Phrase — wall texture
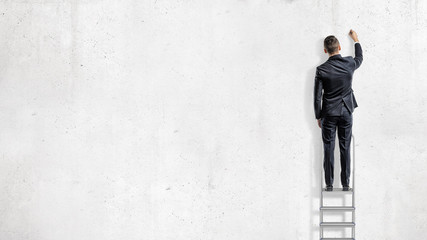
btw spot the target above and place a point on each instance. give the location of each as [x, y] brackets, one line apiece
[194, 119]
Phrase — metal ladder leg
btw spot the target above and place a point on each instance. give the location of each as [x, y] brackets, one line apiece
[351, 208]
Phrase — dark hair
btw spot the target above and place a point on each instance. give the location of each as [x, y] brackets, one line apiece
[331, 44]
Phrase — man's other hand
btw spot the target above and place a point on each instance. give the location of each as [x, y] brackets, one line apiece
[353, 35]
[319, 123]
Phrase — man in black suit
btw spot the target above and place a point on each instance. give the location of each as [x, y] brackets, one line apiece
[334, 109]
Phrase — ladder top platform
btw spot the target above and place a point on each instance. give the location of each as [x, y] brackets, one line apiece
[350, 190]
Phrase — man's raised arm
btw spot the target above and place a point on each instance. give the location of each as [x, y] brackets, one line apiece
[357, 49]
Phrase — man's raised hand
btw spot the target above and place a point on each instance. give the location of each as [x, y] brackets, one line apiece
[353, 35]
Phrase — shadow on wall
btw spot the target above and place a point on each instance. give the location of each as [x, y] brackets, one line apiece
[316, 148]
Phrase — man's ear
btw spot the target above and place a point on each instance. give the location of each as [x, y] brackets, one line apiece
[325, 50]
[339, 47]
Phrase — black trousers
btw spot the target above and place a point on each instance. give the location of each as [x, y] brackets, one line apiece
[344, 125]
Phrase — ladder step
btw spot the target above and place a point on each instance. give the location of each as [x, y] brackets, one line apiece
[350, 190]
[337, 224]
[338, 238]
[337, 208]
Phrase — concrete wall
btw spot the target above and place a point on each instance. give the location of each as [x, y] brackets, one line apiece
[194, 119]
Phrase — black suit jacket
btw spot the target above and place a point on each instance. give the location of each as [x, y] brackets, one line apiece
[335, 77]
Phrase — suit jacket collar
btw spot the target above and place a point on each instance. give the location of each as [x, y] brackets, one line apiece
[335, 56]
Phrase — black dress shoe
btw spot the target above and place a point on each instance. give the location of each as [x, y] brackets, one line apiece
[329, 188]
[346, 188]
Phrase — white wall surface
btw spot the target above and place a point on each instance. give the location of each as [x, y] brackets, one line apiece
[194, 119]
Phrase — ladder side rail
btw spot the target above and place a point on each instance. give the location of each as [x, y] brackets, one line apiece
[354, 191]
[321, 197]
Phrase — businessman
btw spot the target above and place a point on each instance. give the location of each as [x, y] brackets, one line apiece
[335, 105]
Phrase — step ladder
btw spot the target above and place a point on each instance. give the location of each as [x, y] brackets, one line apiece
[351, 208]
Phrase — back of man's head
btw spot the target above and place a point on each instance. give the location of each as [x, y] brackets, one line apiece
[331, 44]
